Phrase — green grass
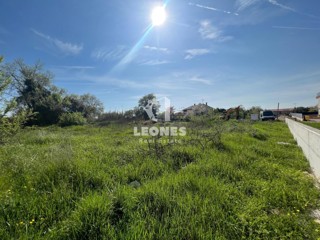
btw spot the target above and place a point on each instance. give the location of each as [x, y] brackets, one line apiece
[313, 124]
[76, 183]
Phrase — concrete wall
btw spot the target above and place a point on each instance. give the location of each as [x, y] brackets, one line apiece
[308, 139]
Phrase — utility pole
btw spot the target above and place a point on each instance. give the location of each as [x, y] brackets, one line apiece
[278, 112]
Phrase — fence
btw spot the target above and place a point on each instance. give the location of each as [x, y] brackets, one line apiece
[308, 139]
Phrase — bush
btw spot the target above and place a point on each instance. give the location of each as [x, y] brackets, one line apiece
[9, 126]
[69, 119]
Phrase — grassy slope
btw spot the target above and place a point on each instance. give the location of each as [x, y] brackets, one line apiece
[313, 124]
[74, 183]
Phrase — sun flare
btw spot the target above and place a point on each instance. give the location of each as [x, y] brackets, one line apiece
[158, 16]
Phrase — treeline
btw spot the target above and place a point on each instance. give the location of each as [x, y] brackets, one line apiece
[138, 112]
[28, 97]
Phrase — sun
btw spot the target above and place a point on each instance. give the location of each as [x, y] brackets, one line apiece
[158, 16]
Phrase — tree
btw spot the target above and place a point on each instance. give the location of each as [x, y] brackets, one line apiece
[11, 120]
[302, 109]
[87, 104]
[255, 110]
[35, 92]
[4, 84]
[129, 114]
[219, 110]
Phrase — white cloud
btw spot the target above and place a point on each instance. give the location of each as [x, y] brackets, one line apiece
[211, 8]
[276, 3]
[200, 80]
[78, 67]
[296, 28]
[208, 31]
[98, 80]
[107, 54]
[154, 62]
[243, 4]
[65, 47]
[152, 48]
[191, 53]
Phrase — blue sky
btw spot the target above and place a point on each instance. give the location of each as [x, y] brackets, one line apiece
[224, 52]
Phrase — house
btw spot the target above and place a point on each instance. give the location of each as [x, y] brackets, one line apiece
[283, 111]
[318, 97]
[197, 109]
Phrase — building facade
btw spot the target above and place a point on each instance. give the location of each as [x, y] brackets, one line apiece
[197, 109]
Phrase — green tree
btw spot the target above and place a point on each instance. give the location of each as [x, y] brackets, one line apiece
[302, 109]
[129, 114]
[254, 110]
[11, 119]
[4, 84]
[87, 104]
[35, 92]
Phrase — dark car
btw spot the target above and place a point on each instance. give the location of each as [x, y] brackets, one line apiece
[267, 115]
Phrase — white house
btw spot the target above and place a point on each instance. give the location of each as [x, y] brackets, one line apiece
[197, 109]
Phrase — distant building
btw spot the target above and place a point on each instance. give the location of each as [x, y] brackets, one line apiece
[197, 109]
[318, 97]
[283, 111]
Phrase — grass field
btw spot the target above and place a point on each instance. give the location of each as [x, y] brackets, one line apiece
[222, 181]
[313, 124]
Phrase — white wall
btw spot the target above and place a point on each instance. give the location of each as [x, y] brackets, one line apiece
[308, 139]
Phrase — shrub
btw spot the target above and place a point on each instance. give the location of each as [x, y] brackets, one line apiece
[207, 132]
[69, 119]
[10, 126]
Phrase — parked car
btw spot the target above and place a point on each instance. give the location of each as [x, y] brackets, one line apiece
[267, 115]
